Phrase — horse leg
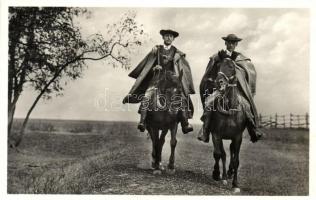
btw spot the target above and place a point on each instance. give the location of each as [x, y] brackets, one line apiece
[154, 134]
[161, 143]
[237, 144]
[217, 155]
[173, 144]
[223, 157]
[231, 170]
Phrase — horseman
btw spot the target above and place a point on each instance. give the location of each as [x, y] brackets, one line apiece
[246, 76]
[162, 58]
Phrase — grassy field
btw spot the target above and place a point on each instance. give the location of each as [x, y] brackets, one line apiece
[86, 157]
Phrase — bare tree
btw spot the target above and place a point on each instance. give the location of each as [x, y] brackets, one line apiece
[46, 50]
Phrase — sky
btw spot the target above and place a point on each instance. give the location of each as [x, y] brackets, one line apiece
[276, 40]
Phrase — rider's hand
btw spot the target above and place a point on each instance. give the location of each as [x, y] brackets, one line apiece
[125, 100]
[157, 67]
[223, 54]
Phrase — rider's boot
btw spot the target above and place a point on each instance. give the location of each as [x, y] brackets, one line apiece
[186, 127]
[141, 124]
[254, 133]
[204, 133]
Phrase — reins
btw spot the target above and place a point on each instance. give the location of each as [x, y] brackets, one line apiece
[230, 86]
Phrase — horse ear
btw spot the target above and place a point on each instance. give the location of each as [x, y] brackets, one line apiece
[181, 75]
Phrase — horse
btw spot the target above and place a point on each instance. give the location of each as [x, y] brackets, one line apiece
[163, 116]
[227, 121]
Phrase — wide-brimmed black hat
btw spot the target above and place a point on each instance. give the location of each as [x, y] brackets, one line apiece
[168, 31]
[232, 37]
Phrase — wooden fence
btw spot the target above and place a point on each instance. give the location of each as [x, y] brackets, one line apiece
[284, 121]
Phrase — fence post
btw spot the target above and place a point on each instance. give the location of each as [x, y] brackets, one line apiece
[284, 121]
[276, 121]
[290, 120]
[307, 121]
[298, 121]
[270, 121]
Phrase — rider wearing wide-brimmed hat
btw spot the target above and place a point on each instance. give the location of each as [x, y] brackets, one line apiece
[247, 83]
[165, 57]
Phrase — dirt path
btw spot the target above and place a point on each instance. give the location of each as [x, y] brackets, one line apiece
[194, 164]
[133, 175]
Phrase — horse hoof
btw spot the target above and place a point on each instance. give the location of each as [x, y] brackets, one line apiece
[229, 174]
[236, 190]
[157, 172]
[216, 176]
[161, 167]
[224, 182]
[171, 171]
[157, 166]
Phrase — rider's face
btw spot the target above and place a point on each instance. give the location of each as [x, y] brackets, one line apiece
[168, 39]
[231, 45]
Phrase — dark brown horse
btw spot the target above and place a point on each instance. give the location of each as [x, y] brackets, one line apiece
[227, 121]
[163, 115]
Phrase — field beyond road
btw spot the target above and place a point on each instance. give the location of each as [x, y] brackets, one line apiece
[86, 157]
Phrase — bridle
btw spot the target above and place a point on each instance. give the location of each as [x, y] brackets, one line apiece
[228, 79]
[231, 85]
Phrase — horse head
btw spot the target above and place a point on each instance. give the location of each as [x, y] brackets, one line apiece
[226, 82]
[226, 74]
[169, 82]
[169, 87]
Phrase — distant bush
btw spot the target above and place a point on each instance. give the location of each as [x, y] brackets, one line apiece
[81, 128]
[41, 127]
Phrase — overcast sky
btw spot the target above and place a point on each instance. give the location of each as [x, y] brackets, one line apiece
[276, 40]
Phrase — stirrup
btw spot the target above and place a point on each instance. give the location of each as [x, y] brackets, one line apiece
[186, 129]
[257, 135]
[202, 137]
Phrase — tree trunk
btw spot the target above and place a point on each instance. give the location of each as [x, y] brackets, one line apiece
[11, 106]
[16, 90]
[11, 85]
[11, 111]
[20, 136]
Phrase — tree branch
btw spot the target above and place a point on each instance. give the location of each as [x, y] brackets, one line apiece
[102, 57]
[117, 59]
